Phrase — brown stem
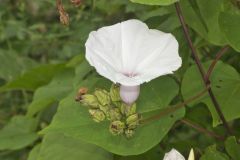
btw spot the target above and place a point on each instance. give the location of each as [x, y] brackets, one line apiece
[200, 68]
[218, 56]
[59, 5]
[171, 109]
[187, 36]
[201, 129]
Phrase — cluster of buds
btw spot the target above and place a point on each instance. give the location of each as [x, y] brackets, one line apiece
[104, 105]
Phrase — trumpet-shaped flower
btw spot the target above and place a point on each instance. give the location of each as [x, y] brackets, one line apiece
[130, 53]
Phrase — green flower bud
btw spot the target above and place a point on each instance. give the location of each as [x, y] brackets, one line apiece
[105, 110]
[115, 93]
[117, 104]
[97, 115]
[132, 121]
[117, 127]
[129, 133]
[128, 110]
[115, 114]
[90, 100]
[102, 96]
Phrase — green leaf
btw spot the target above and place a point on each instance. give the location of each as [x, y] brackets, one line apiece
[33, 155]
[158, 12]
[225, 83]
[211, 153]
[193, 18]
[170, 24]
[155, 2]
[76, 60]
[73, 120]
[11, 65]
[233, 148]
[60, 86]
[202, 16]
[82, 72]
[18, 133]
[157, 94]
[210, 11]
[60, 147]
[156, 153]
[34, 78]
[230, 24]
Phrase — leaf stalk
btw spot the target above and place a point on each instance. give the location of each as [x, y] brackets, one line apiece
[200, 68]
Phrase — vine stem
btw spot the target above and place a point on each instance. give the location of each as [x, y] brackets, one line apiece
[218, 56]
[201, 129]
[171, 109]
[200, 68]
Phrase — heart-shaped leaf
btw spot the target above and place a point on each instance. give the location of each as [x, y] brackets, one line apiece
[18, 133]
[60, 147]
[232, 147]
[230, 23]
[73, 120]
[34, 78]
[225, 83]
[58, 88]
[202, 16]
[212, 153]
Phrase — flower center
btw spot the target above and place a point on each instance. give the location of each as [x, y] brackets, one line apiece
[130, 75]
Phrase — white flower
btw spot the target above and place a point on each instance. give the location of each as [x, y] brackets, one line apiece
[175, 155]
[130, 53]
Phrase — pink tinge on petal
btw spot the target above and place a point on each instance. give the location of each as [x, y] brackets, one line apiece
[130, 74]
[129, 94]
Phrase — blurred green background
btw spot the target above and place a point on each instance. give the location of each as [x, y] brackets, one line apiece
[33, 41]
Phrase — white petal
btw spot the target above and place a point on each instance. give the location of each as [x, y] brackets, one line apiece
[173, 155]
[130, 53]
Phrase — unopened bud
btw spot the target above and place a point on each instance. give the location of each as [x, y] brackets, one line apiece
[90, 100]
[97, 115]
[117, 127]
[115, 93]
[128, 109]
[81, 91]
[129, 133]
[191, 155]
[103, 97]
[132, 121]
[115, 114]
[117, 104]
[64, 18]
[105, 109]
